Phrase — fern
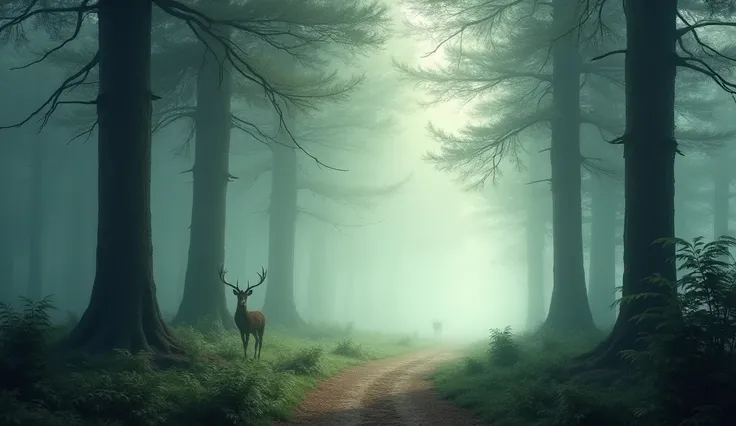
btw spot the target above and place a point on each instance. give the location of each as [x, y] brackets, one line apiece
[691, 356]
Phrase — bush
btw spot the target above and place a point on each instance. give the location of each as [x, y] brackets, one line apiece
[691, 357]
[305, 361]
[347, 348]
[503, 350]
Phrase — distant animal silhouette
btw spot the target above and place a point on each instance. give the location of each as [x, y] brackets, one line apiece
[437, 326]
[248, 322]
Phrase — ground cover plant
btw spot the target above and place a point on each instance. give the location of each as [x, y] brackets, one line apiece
[684, 373]
[213, 385]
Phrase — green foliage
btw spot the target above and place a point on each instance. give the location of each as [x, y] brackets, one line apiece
[305, 361]
[536, 388]
[503, 350]
[691, 356]
[24, 346]
[686, 375]
[214, 385]
[348, 348]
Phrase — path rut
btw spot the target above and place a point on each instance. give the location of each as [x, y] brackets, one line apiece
[390, 392]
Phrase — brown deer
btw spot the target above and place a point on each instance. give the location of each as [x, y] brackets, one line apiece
[248, 322]
[437, 326]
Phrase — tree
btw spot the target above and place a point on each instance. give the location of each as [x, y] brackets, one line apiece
[295, 34]
[652, 58]
[123, 311]
[513, 77]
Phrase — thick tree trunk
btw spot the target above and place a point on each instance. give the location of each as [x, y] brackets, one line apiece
[7, 233]
[568, 311]
[536, 236]
[320, 295]
[602, 269]
[721, 194]
[82, 228]
[123, 312]
[649, 154]
[36, 210]
[279, 305]
[204, 294]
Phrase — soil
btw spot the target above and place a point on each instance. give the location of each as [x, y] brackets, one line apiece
[389, 392]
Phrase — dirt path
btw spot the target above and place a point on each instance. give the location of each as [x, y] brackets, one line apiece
[390, 392]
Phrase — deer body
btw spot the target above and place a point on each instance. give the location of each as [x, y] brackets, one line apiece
[248, 322]
[437, 326]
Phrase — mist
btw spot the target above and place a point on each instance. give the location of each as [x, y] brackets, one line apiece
[390, 242]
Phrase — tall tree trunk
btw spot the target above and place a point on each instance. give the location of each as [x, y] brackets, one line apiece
[320, 295]
[82, 228]
[568, 311]
[204, 293]
[279, 304]
[649, 154]
[123, 312]
[7, 231]
[37, 201]
[721, 194]
[602, 269]
[536, 236]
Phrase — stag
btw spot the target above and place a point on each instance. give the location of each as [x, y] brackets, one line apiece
[437, 326]
[248, 322]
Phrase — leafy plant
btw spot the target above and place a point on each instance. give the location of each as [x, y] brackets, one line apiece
[503, 350]
[347, 348]
[691, 356]
[305, 361]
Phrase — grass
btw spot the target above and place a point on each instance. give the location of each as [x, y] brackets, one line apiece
[683, 373]
[524, 380]
[215, 387]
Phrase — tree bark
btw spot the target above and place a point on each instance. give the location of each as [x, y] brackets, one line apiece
[7, 232]
[649, 155]
[34, 288]
[79, 272]
[123, 312]
[721, 194]
[536, 236]
[320, 295]
[204, 294]
[569, 311]
[602, 269]
[279, 304]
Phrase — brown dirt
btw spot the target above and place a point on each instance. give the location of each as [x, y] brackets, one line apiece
[389, 392]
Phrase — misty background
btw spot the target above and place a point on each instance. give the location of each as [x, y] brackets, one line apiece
[391, 244]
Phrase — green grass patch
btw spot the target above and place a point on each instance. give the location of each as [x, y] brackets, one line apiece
[520, 381]
[215, 386]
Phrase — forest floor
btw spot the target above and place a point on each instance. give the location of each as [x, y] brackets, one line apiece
[215, 386]
[394, 391]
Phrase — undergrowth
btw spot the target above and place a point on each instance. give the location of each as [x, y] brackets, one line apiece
[685, 376]
[214, 387]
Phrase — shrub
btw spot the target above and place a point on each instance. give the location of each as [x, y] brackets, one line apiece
[503, 350]
[24, 346]
[304, 361]
[691, 357]
[347, 348]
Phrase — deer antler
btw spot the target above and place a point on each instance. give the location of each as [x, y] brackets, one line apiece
[261, 279]
[222, 273]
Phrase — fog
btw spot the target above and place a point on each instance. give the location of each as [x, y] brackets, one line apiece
[397, 242]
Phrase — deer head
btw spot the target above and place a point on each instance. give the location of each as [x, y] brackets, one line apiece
[237, 291]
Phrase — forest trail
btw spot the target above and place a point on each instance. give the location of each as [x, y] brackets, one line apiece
[388, 392]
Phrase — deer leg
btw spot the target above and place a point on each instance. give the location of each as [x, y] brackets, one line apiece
[246, 338]
[260, 345]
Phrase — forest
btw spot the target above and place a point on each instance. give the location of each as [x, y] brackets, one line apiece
[504, 212]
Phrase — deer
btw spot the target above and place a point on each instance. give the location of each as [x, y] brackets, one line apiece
[248, 322]
[437, 326]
